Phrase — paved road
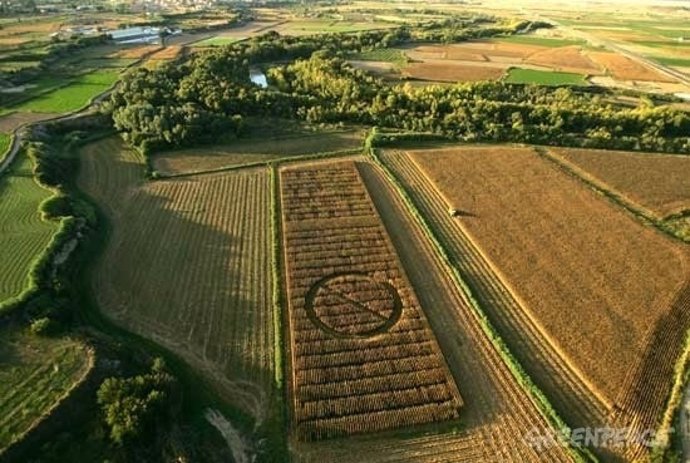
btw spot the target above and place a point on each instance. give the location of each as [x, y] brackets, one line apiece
[613, 46]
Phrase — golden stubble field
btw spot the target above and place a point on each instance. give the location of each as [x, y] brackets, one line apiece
[606, 292]
[660, 183]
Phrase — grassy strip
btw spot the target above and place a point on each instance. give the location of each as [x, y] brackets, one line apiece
[681, 62]
[40, 267]
[6, 142]
[277, 282]
[618, 200]
[249, 165]
[675, 398]
[537, 396]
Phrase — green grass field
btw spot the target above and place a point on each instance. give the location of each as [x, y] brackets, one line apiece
[685, 62]
[542, 41]
[4, 144]
[390, 55]
[23, 234]
[532, 76]
[35, 372]
[107, 63]
[218, 41]
[72, 96]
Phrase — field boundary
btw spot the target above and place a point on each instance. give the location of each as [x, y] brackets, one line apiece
[535, 394]
[637, 211]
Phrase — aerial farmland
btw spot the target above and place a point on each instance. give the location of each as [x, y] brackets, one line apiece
[345, 232]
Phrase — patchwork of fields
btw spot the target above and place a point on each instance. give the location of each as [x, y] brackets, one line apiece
[555, 301]
[363, 357]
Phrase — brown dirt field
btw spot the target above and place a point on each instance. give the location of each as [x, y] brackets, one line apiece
[568, 59]
[13, 40]
[657, 182]
[452, 72]
[135, 52]
[186, 266]
[169, 52]
[496, 413]
[360, 361]
[243, 151]
[489, 48]
[624, 68]
[590, 293]
[10, 122]
[450, 52]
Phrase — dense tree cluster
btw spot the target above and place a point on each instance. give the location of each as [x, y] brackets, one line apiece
[131, 406]
[205, 97]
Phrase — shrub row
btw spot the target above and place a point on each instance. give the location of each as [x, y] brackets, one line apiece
[276, 261]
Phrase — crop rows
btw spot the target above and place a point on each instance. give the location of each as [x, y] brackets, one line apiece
[363, 357]
[188, 265]
[23, 234]
[40, 372]
[642, 393]
[556, 377]
[497, 413]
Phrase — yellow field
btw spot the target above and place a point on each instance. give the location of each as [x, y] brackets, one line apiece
[657, 182]
[592, 299]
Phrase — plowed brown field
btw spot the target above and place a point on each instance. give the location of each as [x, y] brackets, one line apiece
[452, 72]
[623, 68]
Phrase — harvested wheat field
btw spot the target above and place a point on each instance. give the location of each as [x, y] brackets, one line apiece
[449, 52]
[254, 150]
[136, 52]
[444, 71]
[569, 59]
[11, 122]
[187, 264]
[657, 182]
[592, 300]
[169, 52]
[498, 49]
[624, 68]
[363, 357]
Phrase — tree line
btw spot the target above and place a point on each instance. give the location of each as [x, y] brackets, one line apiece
[205, 99]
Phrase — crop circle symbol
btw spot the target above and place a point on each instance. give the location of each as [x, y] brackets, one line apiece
[353, 305]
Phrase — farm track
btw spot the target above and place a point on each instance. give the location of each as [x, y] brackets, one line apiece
[497, 412]
[575, 401]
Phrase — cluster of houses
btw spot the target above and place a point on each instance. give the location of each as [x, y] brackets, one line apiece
[129, 35]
